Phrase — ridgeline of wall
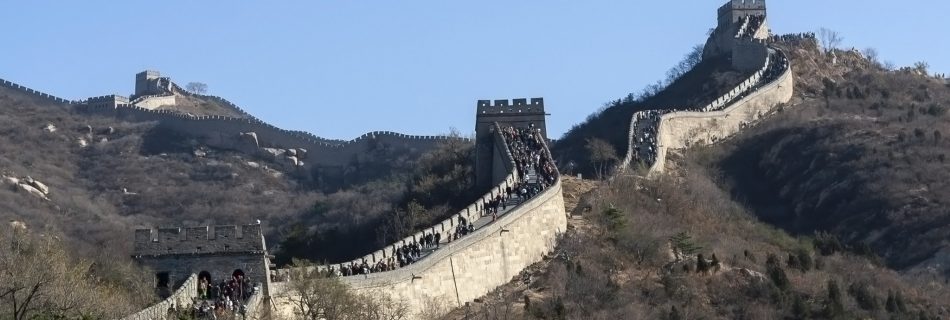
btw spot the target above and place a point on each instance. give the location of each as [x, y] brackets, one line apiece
[180, 299]
[678, 130]
[34, 93]
[225, 132]
[713, 122]
[470, 267]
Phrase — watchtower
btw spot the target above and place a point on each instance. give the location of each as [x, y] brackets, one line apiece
[146, 83]
[217, 253]
[734, 10]
[519, 113]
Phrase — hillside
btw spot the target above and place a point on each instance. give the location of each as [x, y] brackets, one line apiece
[847, 181]
[619, 261]
[106, 177]
[861, 155]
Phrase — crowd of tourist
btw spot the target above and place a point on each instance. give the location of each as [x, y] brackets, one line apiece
[536, 171]
[794, 38]
[645, 124]
[227, 297]
[750, 24]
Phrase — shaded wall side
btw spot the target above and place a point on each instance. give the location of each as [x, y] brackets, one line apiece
[180, 299]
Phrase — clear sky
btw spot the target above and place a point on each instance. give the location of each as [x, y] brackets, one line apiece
[342, 68]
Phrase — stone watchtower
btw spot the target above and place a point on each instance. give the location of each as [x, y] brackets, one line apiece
[148, 82]
[745, 48]
[216, 253]
[517, 113]
[734, 10]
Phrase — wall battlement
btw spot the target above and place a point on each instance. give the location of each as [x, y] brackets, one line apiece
[522, 105]
[34, 93]
[228, 239]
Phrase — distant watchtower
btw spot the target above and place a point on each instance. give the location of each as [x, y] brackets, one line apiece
[734, 10]
[515, 113]
[217, 254]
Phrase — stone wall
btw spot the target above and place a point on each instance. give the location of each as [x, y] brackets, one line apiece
[749, 54]
[470, 267]
[447, 226]
[225, 132]
[34, 93]
[152, 102]
[678, 130]
[198, 240]
[180, 299]
[465, 269]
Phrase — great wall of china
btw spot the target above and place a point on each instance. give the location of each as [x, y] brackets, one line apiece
[463, 270]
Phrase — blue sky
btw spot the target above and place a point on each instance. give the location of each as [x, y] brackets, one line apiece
[342, 68]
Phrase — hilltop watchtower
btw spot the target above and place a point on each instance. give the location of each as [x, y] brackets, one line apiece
[216, 253]
[519, 113]
[734, 10]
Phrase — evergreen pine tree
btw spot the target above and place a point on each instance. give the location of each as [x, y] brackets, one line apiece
[834, 307]
[701, 265]
[675, 314]
[715, 262]
[800, 309]
[891, 304]
[899, 299]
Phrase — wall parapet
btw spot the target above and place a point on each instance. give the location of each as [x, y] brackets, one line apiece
[35, 93]
[199, 240]
[181, 299]
[719, 110]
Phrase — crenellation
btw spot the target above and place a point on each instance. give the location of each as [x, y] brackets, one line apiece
[225, 232]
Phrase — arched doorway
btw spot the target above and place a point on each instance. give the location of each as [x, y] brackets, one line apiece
[238, 273]
[204, 285]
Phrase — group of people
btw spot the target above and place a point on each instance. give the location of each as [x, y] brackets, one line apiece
[644, 126]
[750, 25]
[527, 148]
[226, 297]
[794, 38]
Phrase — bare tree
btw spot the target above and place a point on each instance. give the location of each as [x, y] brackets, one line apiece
[830, 39]
[38, 279]
[602, 155]
[315, 295]
[922, 67]
[197, 87]
[872, 55]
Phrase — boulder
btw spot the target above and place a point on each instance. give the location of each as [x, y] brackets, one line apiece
[38, 185]
[82, 142]
[107, 131]
[31, 190]
[17, 225]
[253, 164]
[273, 151]
[250, 137]
[11, 181]
[293, 160]
[292, 152]
[200, 153]
[49, 127]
